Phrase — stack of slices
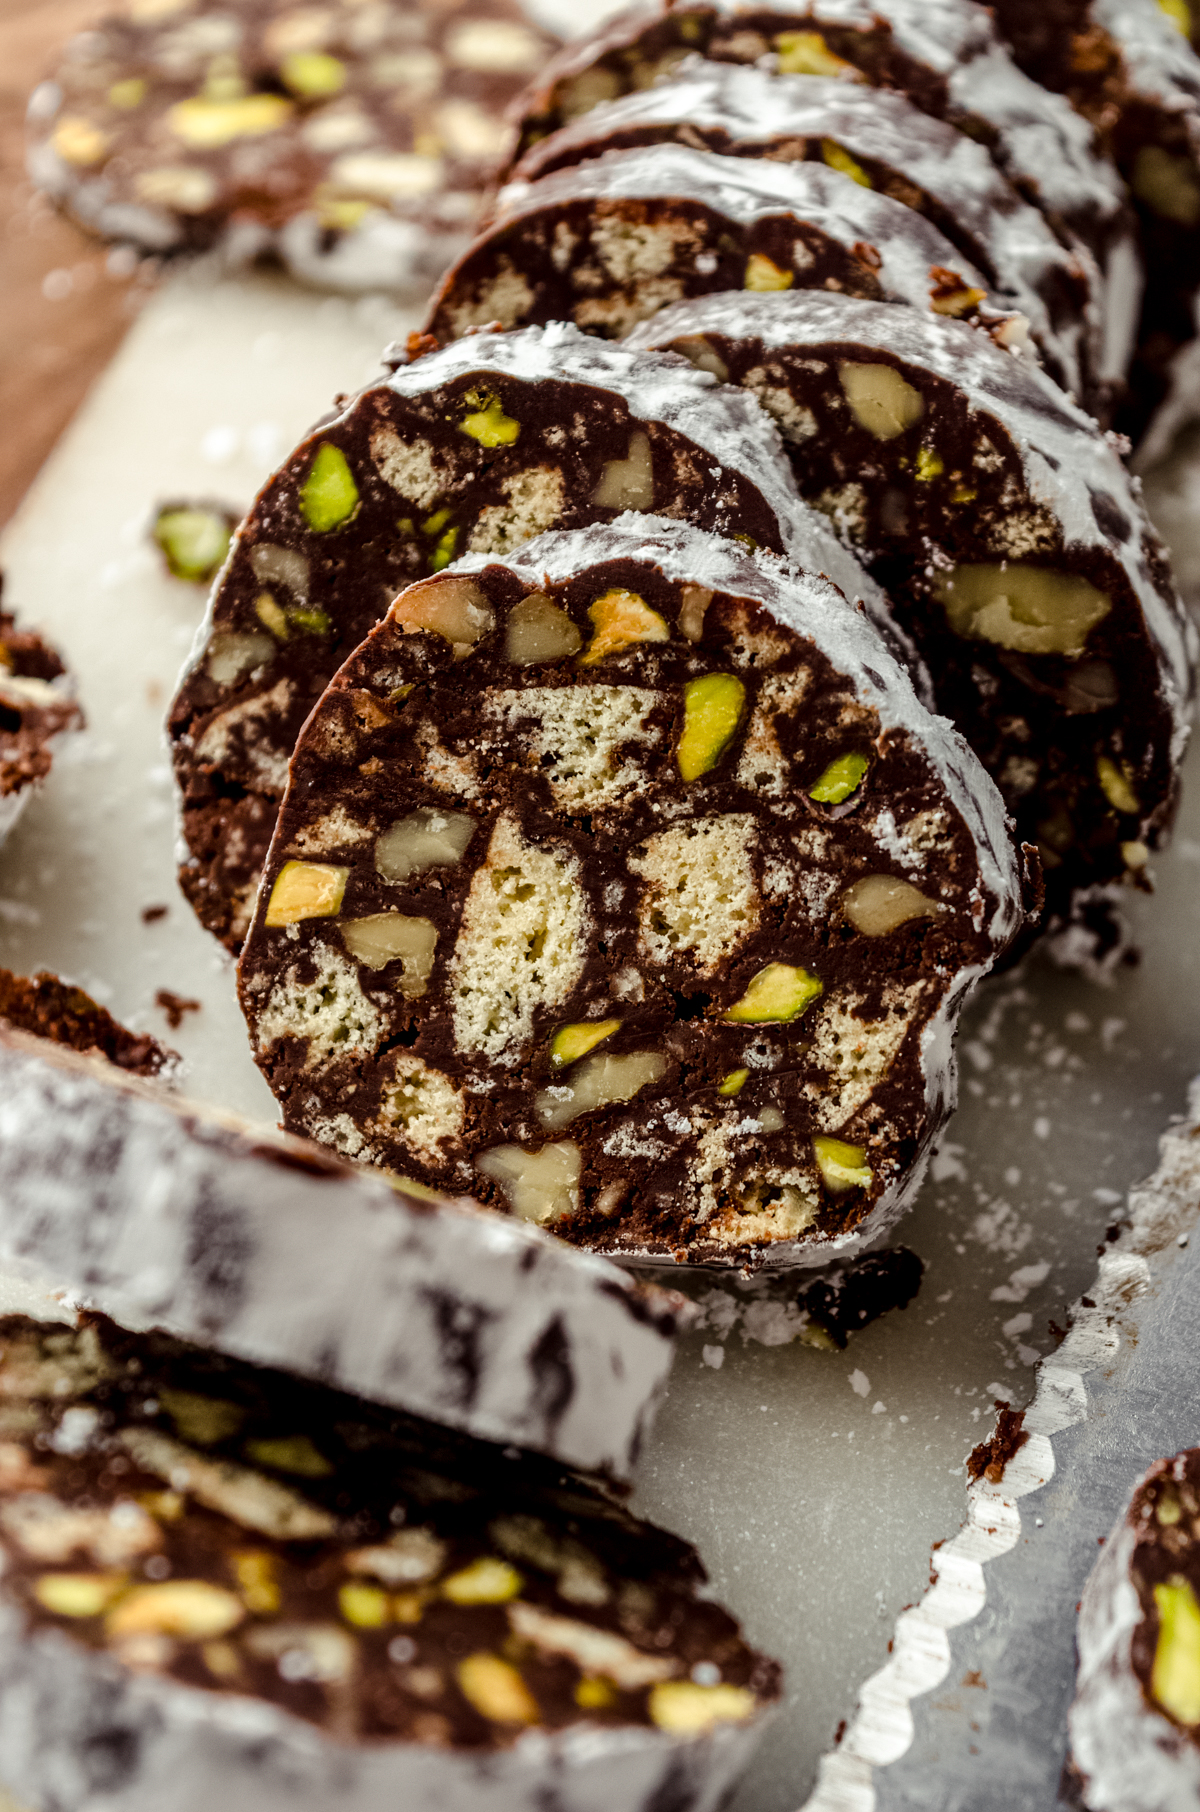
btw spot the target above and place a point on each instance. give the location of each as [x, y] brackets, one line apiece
[623, 735]
[311, 1487]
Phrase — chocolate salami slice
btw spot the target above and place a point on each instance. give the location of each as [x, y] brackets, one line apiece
[1135, 1722]
[882, 142]
[1011, 543]
[478, 447]
[641, 900]
[945, 55]
[54, 1010]
[608, 243]
[351, 142]
[225, 1587]
[1128, 68]
[37, 708]
[165, 1214]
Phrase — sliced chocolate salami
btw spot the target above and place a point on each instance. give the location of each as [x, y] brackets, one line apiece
[54, 1010]
[945, 55]
[223, 1586]
[354, 143]
[476, 448]
[1012, 545]
[37, 709]
[609, 242]
[165, 1214]
[881, 141]
[1128, 68]
[1135, 1722]
[642, 901]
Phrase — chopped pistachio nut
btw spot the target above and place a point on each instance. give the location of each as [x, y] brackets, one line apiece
[955, 302]
[712, 710]
[838, 158]
[1114, 783]
[365, 1606]
[254, 1570]
[445, 551]
[733, 1083]
[199, 1419]
[312, 74]
[880, 400]
[454, 608]
[329, 495]
[433, 525]
[598, 1082]
[194, 542]
[806, 53]
[176, 1607]
[290, 1453]
[684, 1707]
[628, 484]
[620, 619]
[488, 424]
[306, 890]
[424, 839]
[537, 630]
[1175, 1675]
[1168, 1511]
[309, 618]
[1179, 13]
[1135, 855]
[879, 903]
[384, 937]
[1029, 609]
[762, 273]
[778, 993]
[206, 124]
[841, 1166]
[570, 1043]
[595, 1694]
[496, 1690]
[127, 94]
[78, 1594]
[929, 465]
[843, 776]
[487, 1580]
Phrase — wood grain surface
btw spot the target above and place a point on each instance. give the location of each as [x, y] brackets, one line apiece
[64, 302]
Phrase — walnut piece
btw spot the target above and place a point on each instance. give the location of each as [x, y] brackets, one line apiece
[541, 1186]
[382, 937]
[1029, 609]
[425, 839]
[538, 630]
[628, 484]
[879, 903]
[452, 607]
[880, 400]
[598, 1082]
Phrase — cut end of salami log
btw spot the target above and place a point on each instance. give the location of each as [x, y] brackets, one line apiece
[223, 1586]
[627, 884]
[1135, 1721]
[1011, 543]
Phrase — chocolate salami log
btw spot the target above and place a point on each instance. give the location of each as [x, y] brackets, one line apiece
[352, 142]
[612, 241]
[1011, 543]
[1128, 68]
[478, 448]
[628, 883]
[945, 55]
[885, 144]
[37, 708]
[1135, 1722]
[165, 1214]
[223, 1587]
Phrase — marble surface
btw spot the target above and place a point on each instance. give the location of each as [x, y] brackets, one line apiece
[815, 1483]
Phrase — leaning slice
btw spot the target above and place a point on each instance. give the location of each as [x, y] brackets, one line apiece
[645, 911]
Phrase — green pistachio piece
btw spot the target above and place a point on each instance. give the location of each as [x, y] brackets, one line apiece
[841, 1166]
[840, 159]
[1114, 783]
[712, 710]
[734, 1083]
[842, 777]
[778, 993]
[443, 553]
[490, 426]
[329, 495]
[570, 1043]
[312, 74]
[194, 542]
[1175, 1676]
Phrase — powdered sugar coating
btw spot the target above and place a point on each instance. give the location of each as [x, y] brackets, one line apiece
[986, 220]
[164, 1214]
